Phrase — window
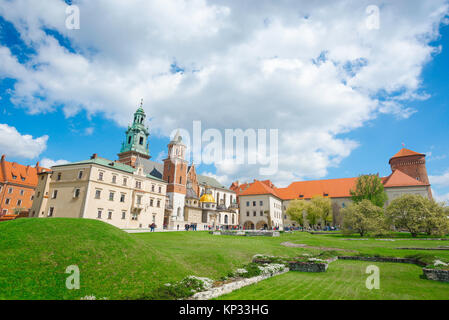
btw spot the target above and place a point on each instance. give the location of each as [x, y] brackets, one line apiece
[261, 203]
[123, 215]
[247, 203]
[99, 214]
[180, 180]
[110, 215]
[247, 213]
[122, 197]
[80, 175]
[160, 189]
[5, 211]
[59, 176]
[10, 190]
[152, 187]
[7, 201]
[158, 203]
[22, 192]
[125, 181]
[51, 211]
[141, 141]
[32, 198]
[111, 196]
[139, 200]
[114, 179]
[97, 194]
[254, 203]
[134, 216]
[254, 213]
[22, 178]
[151, 202]
[100, 176]
[261, 213]
[19, 202]
[77, 192]
[55, 194]
[139, 184]
[14, 177]
[129, 140]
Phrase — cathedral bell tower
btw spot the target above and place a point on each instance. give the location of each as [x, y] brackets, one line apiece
[175, 174]
[136, 143]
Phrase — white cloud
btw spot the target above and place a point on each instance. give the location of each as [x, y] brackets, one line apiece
[314, 71]
[48, 163]
[14, 144]
[441, 180]
[441, 197]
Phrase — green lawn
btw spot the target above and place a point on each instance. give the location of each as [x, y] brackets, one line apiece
[35, 253]
[346, 280]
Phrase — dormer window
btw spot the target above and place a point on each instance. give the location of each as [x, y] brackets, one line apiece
[301, 196]
[14, 177]
[326, 194]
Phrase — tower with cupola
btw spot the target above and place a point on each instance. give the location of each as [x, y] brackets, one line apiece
[136, 143]
[175, 174]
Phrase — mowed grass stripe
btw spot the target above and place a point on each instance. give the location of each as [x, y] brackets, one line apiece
[346, 280]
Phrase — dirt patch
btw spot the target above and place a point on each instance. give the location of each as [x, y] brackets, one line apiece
[301, 245]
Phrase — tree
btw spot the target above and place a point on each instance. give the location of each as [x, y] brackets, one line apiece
[295, 211]
[369, 187]
[323, 208]
[436, 221]
[409, 212]
[362, 217]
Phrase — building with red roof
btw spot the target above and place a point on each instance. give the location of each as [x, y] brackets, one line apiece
[409, 175]
[17, 185]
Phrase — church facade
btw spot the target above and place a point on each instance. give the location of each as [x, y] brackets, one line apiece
[135, 192]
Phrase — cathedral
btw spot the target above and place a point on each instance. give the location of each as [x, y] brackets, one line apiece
[191, 198]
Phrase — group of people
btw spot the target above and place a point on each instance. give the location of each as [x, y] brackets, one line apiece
[192, 227]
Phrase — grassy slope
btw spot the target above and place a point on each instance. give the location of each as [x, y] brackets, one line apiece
[35, 253]
[346, 280]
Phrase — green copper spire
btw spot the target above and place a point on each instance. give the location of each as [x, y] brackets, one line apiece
[137, 134]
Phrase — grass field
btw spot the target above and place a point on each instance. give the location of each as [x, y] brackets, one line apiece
[346, 280]
[36, 252]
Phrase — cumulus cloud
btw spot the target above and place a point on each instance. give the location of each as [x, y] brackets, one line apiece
[315, 71]
[48, 163]
[441, 180]
[15, 144]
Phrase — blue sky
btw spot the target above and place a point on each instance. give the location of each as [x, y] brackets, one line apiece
[363, 141]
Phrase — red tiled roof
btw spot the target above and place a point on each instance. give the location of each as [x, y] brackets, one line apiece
[406, 153]
[260, 187]
[332, 188]
[400, 179]
[19, 174]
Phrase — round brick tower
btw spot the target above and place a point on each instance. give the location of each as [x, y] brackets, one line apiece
[410, 163]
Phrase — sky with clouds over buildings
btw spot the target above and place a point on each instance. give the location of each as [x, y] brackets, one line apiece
[344, 95]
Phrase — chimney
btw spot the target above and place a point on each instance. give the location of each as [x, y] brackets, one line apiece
[94, 156]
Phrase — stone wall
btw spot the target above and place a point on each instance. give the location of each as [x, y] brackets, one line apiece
[307, 266]
[229, 287]
[247, 233]
[436, 274]
[384, 259]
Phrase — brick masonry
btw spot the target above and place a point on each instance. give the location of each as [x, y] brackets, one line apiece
[436, 274]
